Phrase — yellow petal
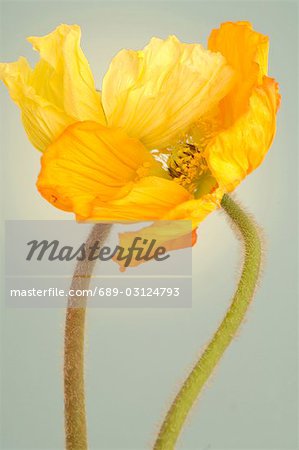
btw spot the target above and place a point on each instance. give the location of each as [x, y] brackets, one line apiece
[157, 93]
[92, 163]
[240, 149]
[42, 120]
[247, 52]
[70, 81]
[172, 235]
[150, 198]
[196, 210]
[60, 89]
[178, 226]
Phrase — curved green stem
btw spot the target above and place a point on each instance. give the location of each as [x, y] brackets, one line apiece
[74, 395]
[191, 388]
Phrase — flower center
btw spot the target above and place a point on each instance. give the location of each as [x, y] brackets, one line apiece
[188, 167]
[187, 164]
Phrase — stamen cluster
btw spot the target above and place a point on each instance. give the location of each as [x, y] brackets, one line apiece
[186, 164]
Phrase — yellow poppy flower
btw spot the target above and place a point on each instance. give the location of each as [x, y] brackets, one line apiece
[176, 127]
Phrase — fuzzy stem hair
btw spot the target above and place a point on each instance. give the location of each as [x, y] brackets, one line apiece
[192, 387]
[74, 393]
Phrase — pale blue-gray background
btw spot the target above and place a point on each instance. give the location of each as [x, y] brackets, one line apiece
[136, 359]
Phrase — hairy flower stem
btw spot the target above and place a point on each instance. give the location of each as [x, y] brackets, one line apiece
[193, 385]
[74, 396]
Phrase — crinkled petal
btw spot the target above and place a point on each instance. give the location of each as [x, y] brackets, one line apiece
[157, 93]
[63, 75]
[60, 89]
[247, 52]
[241, 148]
[91, 163]
[43, 121]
